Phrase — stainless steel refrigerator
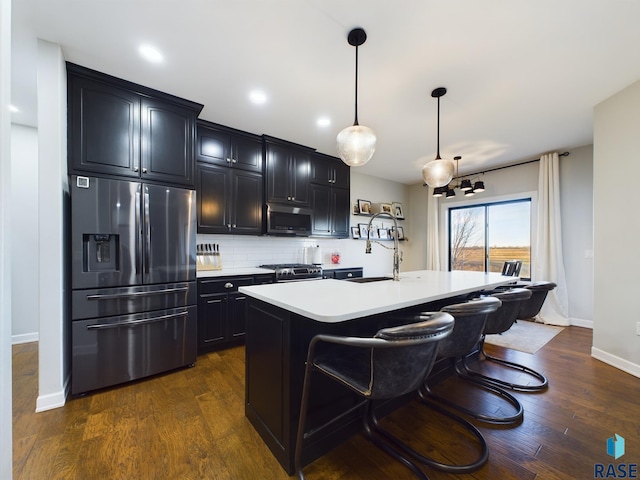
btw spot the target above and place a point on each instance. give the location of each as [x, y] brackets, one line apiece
[133, 278]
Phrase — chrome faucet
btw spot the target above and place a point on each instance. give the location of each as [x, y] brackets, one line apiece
[397, 257]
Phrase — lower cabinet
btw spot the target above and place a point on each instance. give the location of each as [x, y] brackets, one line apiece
[342, 273]
[222, 310]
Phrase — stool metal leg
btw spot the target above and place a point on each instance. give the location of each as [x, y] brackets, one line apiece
[543, 385]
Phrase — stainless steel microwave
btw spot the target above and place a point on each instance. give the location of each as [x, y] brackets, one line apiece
[288, 220]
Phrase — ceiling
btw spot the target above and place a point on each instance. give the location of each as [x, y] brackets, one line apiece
[522, 77]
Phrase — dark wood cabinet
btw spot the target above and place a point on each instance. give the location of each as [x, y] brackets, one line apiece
[120, 128]
[342, 273]
[330, 196]
[222, 315]
[330, 211]
[287, 172]
[327, 170]
[222, 145]
[229, 200]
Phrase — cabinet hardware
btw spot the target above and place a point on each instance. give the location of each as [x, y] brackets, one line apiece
[135, 169]
[214, 301]
[233, 160]
[228, 160]
[144, 170]
[228, 285]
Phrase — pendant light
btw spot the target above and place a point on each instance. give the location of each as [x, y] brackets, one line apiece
[438, 172]
[357, 143]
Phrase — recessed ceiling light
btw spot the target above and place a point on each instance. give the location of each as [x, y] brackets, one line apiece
[258, 97]
[323, 122]
[13, 109]
[151, 53]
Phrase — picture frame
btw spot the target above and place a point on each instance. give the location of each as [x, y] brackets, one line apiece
[363, 228]
[364, 207]
[383, 233]
[355, 233]
[356, 209]
[386, 208]
[397, 210]
[373, 232]
[400, 233]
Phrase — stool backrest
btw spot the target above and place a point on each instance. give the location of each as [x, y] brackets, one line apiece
[470, 319]
[502, 319]
[511, 268]
[397, 360]
[531, 307]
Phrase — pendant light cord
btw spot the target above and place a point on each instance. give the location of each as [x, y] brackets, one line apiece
[438, 140]
[355, 121]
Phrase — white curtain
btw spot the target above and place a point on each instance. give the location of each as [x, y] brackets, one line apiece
[433, 236]
[548, 258]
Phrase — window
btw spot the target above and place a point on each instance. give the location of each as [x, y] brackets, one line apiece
[482, 237]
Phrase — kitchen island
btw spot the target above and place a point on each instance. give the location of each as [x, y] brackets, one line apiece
[282, 319]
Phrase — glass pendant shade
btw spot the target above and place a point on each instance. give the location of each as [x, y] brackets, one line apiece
[356, 145]
[437, 173]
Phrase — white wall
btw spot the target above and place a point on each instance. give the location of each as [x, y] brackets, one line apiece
[24, 183]
[6, 448]
[53, 194]
[576, 174]
[616, 230]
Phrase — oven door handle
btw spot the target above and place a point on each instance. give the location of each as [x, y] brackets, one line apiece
[102, 326]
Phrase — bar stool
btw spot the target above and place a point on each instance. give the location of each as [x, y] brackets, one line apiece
[532, 307]
[499, 322]
[470, 319]
[392, 363]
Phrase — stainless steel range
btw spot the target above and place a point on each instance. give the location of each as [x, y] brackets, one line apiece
[291, 272]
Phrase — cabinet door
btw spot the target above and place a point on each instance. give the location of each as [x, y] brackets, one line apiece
[321, 206]
[321, 171]
[299, 172]
[246, 153]
[213, 196]
[212, 315]
[212, 146]
[167, 150]
[104, 128]
[246, 203]
[340, 212]
[341, 174]
[237, 319]
[278, 177]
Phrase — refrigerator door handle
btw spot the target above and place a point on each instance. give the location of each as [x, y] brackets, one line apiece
[102, 326]
[137, 234]
[147, 231]
[108, 296]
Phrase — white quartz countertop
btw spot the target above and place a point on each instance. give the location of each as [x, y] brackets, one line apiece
[332, 301]
[229, 272]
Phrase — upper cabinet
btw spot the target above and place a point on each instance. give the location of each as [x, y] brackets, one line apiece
[326, 170]
[222, 145]
[120, 128]
[287, 172]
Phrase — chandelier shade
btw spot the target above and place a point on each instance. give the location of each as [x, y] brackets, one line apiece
[356, 144]
[438, 172]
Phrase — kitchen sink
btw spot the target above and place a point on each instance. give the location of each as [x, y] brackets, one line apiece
[368, 279]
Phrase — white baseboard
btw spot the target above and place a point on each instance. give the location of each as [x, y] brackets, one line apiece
[53, 400]
[25, 338]
[578, 322]
[614, 361]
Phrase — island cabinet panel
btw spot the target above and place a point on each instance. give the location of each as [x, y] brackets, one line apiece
[118, 128]
[225, 146]
[287, 172]
[276, 349]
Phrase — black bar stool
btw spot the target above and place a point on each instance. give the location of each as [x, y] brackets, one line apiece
[499, 322]
[470, 319]
[532, 307]
[396, 361]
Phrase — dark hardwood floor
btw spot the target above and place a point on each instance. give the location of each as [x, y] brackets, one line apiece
[190, 424]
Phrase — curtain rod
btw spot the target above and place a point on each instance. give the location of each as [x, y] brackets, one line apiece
[563, 154]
